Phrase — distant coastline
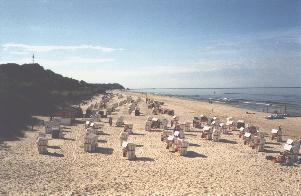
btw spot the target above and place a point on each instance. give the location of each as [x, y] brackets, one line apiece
[260, 99]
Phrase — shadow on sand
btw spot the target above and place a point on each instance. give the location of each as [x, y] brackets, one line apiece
[194, 131]
[273, 143]
[54, 147]
[102, 150]
[227, 141]
[192, 154]
[142, 134]
[102, 141]
[54, 154]
[268, 147]
[69, 139]
[195, 145]
[190, 134]
[156, 130]
[144, 159]
[271, 151]
[66, 131]
[103, 133]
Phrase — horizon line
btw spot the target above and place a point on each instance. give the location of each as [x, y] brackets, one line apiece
[216, 87]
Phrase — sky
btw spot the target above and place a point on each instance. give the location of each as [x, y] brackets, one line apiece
[158, 43]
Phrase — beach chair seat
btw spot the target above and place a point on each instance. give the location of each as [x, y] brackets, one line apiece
[277, 133]
[247, 138]
[87, 124]
[128, 128]
[163, 123]
[170, 142]
[119, 122]
[92, 131]
[240, 124]
[181, 146]
[165, 134]
[137, 112]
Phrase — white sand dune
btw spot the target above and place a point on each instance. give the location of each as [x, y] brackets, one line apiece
[223, 168]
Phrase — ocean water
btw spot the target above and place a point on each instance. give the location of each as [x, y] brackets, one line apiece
[270, 100]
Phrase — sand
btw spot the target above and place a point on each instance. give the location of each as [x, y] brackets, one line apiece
[224, 168]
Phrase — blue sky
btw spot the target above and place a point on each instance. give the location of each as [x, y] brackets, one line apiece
[158, 43]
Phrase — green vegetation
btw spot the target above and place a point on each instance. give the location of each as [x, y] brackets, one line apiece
[29, 89]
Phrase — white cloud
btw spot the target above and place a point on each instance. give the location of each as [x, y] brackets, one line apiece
[49, 48]
[62, 62]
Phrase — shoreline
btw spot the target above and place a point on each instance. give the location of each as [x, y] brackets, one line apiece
[291, 125]
[253, 105]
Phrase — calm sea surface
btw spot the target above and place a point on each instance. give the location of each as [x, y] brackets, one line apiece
[258, 99]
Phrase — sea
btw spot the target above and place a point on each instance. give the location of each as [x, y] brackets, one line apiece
[270, 100]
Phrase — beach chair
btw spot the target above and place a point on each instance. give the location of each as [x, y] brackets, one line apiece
[241, 132]
[50, 124]
[119, 122]
[165, 134]
[240, 124]
[247, 138]
[207, 132]
[216, 135]
[91, 142]
[42, 143]
[181, 146]
[257, 142]
[229, 126]
[137, 111]
[103, 113]
[179, 134]
[128, 128]
[56, 132]
[148, 125]
[277, 133]
[294, 146]
[92, 130]
[187, 126]
[87, 124]
[170, 143]
[174, 121]
[155, 123]
[163, 123]
[128, 150]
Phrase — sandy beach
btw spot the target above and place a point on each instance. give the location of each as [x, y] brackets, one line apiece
[210, 168]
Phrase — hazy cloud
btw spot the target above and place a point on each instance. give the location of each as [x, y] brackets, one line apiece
[49, 48]
[62, 62]
[269, 42]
